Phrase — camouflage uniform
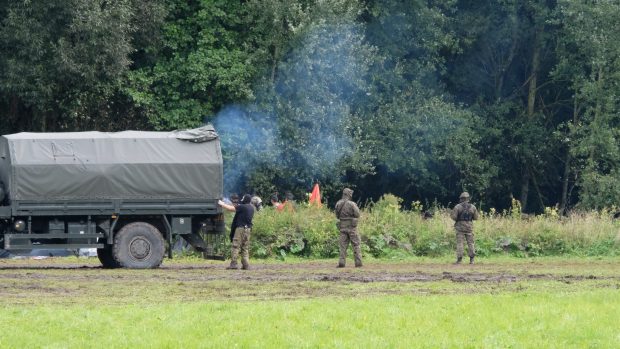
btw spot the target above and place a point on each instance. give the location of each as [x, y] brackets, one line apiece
[348, 213]
[463, 214]
[241, 241]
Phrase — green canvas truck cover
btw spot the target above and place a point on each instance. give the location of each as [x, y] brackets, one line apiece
[112, 165]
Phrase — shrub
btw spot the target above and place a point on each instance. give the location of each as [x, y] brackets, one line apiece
[389, 231]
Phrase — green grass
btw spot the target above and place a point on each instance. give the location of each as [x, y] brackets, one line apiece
[522, 320]
[550, 302]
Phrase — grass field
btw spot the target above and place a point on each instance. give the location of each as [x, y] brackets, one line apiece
[498, 303]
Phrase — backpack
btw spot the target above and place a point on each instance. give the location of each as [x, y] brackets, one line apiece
[466, 214]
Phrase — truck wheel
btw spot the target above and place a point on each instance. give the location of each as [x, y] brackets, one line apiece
[106, 258]
[139, 245]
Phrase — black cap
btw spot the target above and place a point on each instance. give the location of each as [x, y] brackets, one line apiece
[247, 198]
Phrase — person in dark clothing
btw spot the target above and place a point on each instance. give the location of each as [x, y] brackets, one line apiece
[232, 228]
[234, 198]
[242, 228]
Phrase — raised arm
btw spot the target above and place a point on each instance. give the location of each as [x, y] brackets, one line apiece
[226, 206]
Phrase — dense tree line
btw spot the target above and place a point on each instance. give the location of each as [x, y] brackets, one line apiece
[505, 98]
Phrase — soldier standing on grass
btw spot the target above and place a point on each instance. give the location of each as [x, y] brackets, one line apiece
[348, 213]
[242, 227]
[463, 214]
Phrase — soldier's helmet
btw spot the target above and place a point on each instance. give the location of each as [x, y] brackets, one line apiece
[257, 202]
[464, 195]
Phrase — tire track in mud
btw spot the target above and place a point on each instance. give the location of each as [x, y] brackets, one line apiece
[280, 273]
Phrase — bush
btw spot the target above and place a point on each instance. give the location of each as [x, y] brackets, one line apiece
[306, 231]
[387, 230]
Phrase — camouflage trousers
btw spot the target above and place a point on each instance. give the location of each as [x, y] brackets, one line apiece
[241, 241]
[343, 241]
[465, 235]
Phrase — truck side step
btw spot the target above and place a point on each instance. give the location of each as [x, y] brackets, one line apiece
[52, 246]
[52, 236]
[29, 241]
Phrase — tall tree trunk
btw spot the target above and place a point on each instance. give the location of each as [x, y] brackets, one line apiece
[525, 187]
[597, 113]
[13, 115]
[531, 95]
[43, 120]
[499, 84]
[564, 199]
[567, 163]
[274, 64]
[14, 108]
[541, 201]
[531, 104]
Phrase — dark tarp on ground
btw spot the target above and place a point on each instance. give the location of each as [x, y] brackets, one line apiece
[121, 165]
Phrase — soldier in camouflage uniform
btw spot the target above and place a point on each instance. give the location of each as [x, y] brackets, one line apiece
[463, 214]
[348, 213]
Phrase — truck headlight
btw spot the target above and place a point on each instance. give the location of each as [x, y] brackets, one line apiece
[19, 226]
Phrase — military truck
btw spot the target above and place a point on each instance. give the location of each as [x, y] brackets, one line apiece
[128, 194]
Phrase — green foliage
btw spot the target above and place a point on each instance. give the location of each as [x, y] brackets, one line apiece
[303, 124]
[381, 227]
[425, 141]
[388, 231]
[508, 99]
[202, 64]
[589, 62]
[307, 231]
[63, 62]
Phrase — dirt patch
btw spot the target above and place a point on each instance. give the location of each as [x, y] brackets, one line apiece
[318, 271]
[63, 281]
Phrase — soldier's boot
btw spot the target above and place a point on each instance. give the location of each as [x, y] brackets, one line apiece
[458, 260]
[357, 254]
[245, 263]
[341, 264]
[471, 260]
[358, 261]
[233, 265]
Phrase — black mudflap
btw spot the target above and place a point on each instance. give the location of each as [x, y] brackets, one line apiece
[196, 241]
[215, 246]
[210, 244]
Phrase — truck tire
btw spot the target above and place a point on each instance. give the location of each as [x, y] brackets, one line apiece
[138, 245]
[106, 258]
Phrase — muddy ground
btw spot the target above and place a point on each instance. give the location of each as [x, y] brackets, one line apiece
[73, 280]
